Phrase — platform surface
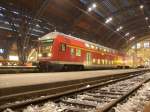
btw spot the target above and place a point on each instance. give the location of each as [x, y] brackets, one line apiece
[8, 67]
[24, 79]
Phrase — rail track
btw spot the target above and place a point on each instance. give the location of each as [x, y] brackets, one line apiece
[101, 99]
[87, 96]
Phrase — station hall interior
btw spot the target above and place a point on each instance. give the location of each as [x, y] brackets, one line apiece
[118, 24]
[74, 49]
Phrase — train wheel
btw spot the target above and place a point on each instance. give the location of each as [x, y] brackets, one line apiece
[81, 67]
[43, 67]
[57, 68]
[65, 68]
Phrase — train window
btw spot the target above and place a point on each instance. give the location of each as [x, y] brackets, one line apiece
[87, 45]
[104, 50]
[98, 61]
[92, 46]
[78, 52]
[103, 62]
[96, 48]
[63, 47]
[138, 45]
[112, 62]
[146, 44]
[94, 60]
[72, 51]
[46, 46]
[109, 62]
[108, 50]
[133, 47]
[99, 49]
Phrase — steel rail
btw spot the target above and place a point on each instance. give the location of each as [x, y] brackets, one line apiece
[122, 98]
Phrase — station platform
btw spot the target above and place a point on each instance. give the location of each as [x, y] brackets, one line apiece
[28, 79]
[17, 69]
[8, 67]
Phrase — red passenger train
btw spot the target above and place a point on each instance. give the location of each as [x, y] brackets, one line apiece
[60, 51]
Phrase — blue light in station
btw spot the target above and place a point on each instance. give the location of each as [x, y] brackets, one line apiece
[2, 8]
[1, 14]
[15, 12]
[1, 51]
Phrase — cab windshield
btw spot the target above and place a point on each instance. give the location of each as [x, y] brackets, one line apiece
[46, 47]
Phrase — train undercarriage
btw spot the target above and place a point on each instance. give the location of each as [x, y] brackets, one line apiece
[48, 66]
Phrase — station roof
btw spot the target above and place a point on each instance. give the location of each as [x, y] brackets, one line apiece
[112, 23]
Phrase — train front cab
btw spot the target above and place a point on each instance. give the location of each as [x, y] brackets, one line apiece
[46, 54]
[63, 56]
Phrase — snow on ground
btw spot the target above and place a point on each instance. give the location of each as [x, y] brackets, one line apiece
[134, 104]
[137, 102]
[47, 107]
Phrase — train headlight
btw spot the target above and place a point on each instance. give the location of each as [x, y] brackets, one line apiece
[39, 55]
[49, 54]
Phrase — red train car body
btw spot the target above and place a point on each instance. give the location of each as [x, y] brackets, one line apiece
[60, 51]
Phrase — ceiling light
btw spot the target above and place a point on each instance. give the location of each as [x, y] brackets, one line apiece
[2, 8]
[89, 9]
[146, 18]
[119, 28]
[37, 25]
[149, 26]
[132, 38]
[94, 5]
[108, 20]
[127, 34]
[15, 12]
[1, 14]
[141, 6]
[6, 22]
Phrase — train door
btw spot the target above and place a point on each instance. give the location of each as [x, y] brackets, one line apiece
[88, 58]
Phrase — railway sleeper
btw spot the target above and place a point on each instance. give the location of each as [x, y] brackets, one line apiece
[75, 109]
[83, 104]
[92, 98]
[102, 95]
[95, 99]
[112, 93]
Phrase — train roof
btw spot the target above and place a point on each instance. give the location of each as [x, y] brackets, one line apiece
[53, 35]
